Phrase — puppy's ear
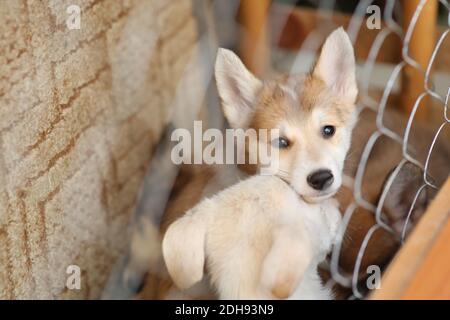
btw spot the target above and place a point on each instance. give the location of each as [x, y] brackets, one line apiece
[237, 88]
[336, 65]
[183, 249]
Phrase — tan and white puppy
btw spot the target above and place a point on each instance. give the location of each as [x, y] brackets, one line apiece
[315, 114]
[257, 239]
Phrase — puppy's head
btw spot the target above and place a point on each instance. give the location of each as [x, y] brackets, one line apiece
[314, 114]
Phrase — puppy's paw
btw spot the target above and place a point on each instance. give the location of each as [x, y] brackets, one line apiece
[285, 264]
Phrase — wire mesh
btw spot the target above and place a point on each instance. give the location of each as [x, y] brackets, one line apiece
[367, 101]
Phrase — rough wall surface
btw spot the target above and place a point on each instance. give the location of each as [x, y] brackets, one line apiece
[80, 111]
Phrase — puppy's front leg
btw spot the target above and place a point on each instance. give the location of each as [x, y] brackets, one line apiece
[286, 262]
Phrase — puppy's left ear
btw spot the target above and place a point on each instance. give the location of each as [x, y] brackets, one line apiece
[336, 65]
[238, 88]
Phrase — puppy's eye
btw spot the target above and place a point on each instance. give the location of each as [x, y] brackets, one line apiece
[328, 131]
[281, 143]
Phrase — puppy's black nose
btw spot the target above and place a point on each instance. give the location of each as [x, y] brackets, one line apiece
[320, 179]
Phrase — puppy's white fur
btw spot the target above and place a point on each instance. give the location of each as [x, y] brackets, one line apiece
[258, 239]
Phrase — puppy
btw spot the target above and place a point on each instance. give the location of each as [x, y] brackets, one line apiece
[314, 113]
[258, 240]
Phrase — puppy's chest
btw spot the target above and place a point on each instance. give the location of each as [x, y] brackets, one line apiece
[322, 222]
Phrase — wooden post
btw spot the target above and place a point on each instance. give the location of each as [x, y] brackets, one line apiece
[432, 280]
[253, 41]
[420, 49]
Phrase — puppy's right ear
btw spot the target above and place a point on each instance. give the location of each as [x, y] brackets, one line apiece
[183, 249]
[237, 88]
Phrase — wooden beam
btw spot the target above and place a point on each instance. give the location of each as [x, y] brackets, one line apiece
[420, 49]
[253, 44]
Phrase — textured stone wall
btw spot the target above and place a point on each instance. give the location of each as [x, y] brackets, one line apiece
[80, 111]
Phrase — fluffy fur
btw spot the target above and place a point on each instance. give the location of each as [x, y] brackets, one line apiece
[258, 239]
